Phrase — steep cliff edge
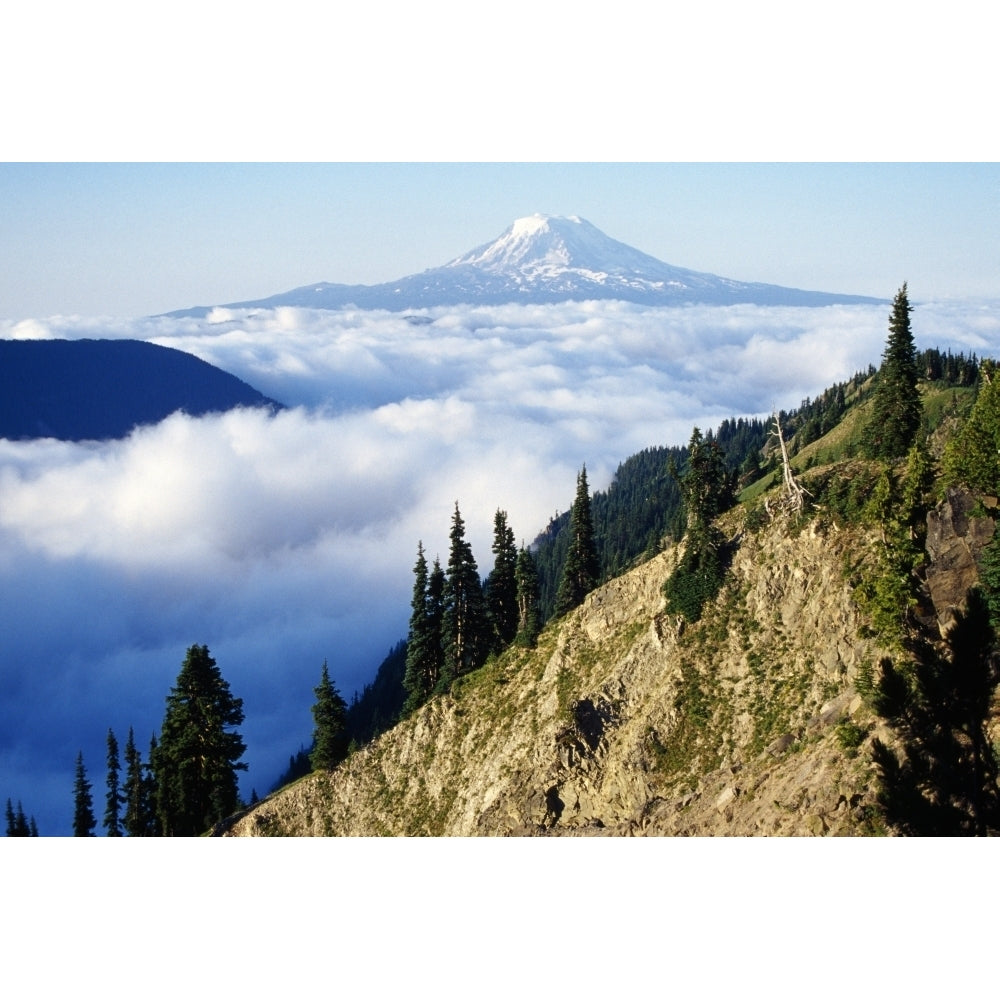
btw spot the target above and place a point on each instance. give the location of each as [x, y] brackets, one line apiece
[625, 722]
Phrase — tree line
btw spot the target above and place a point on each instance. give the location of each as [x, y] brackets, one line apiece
[189, 780]
[458, 620]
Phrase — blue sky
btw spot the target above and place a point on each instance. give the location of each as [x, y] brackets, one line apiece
[133, 239]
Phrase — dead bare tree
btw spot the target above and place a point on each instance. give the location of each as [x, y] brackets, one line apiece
[794, 497]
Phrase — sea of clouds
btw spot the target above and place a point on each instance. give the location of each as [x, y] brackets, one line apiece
[283, 541]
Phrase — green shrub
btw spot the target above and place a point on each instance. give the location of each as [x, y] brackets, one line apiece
[850, 736]
[698, 576]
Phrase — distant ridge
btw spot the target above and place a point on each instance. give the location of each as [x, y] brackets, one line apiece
[545, 259]
[77, 390]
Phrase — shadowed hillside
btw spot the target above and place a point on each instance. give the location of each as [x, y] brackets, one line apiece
[77, 390]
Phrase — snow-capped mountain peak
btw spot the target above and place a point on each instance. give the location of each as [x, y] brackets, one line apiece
[539, 259]
[546, 245]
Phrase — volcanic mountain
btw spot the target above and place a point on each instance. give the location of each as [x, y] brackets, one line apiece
[543, 259]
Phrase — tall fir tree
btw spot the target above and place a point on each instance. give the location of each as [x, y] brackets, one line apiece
[199, 751]
[896, 407]
[529, 613]
[464, 627]
[972, 457]
[581, 571]
[18, 824]
[330, 725]
[501, 586]
[706, 489]
[139, 819]
[114, 799]
[152, 796]
[423, 644]
[704, 484]
[83, 802]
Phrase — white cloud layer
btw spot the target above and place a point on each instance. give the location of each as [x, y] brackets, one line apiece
[283, 541]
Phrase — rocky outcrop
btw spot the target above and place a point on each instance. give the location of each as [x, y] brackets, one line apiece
[623, 723]
[956, 535]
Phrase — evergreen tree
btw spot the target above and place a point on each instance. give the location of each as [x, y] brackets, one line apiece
[581, 571]
[436, 584]
[889, 594]
[197, 758]
[896, 406]
[152, 796]
[18, 824]
[380, 705]
[704, 485]
[972, 457]
[83, 803]
[464, 629]
[23, 827]
[702, 568]
[989, 578]
[939, 705]
[529, 616]
[114, 800]
[501, 587]
[330, 731]
[423, 644]
[139, 819]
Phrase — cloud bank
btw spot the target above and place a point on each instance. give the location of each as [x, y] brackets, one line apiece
[283, 541]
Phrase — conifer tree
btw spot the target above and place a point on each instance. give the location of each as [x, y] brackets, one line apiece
[581, 571]
[198, 755]
[939, 705]
[114, 799]
[701, 570]
[18, 825]
[529, 615]
[972, 457]
[139, 819]
[704, 484]
[83, 803]
[464, 630]
[423, 644]
[330, 731]
[17, 822]
[501, 588]
[149, 772]
[896, 406]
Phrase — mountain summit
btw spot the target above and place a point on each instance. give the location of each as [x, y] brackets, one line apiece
[552, 246]
[545, 259]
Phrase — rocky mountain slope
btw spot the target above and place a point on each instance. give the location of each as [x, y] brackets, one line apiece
[544, 259]
[625, 722]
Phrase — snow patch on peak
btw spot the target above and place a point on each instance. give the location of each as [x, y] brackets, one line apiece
[529, 225]
[547, 247]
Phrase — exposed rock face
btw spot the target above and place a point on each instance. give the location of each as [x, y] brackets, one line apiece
[623, 723]
[956, 537]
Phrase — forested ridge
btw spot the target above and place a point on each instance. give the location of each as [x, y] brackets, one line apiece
[766, 665]
[644, 507]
